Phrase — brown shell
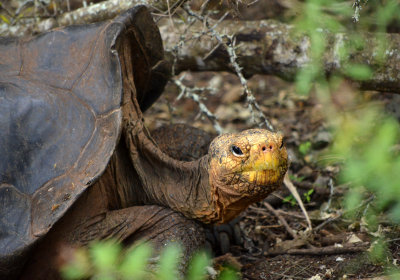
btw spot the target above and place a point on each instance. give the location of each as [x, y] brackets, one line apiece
[60, 118]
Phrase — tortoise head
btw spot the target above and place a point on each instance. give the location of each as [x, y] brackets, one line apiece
[245, 168]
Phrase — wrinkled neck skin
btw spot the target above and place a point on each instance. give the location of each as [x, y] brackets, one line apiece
[181, 186]
[196, 189]
[231, 195]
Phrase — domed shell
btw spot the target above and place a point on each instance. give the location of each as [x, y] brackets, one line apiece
[60, 119]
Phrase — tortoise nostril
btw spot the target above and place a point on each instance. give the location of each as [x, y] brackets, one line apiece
[270, 147]
[263, 148]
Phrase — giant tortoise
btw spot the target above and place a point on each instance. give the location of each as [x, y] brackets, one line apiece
[77, 163]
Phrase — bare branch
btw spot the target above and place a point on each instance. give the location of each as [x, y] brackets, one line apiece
[191, 93]
[273, 48]
[281, 219]
[261, 47]
[97, 12]
[329, 250]
[228, 42]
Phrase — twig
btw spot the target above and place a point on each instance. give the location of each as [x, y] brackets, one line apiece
[97, 12]
[329, 220]
[281, 219]
[191, 93]
[357, 8]
[170, 16]
[288, 183]
[291, 214]
[331, 192]
[328, 250]
[228, 42]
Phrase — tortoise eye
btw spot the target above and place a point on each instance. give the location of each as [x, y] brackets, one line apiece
[236, 151]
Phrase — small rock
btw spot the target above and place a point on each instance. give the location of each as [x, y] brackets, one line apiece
[211, 272]
[322, 181]
[295, 161]
[354, 239]
[393, 106]
[322, 140]
[233, 95]
[315, 277]
[216, 82]
[306, 171]
[328, 273]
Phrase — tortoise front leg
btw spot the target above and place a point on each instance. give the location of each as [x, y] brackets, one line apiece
[155, 224]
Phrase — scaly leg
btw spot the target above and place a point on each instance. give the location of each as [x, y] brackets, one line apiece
[155, 224]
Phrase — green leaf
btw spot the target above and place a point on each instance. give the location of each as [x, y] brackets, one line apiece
[78, 267]
[359, 72]
[305, 147]
[134, 264]
[307, 195]
[3, 18]
[304, 81]
[228, 274]
[353, 200]
[296, 178]
[386, 13]
[379, 251]
[105, 255]
[290, 199]
[197, 269]
[395, 213]
[169, 260]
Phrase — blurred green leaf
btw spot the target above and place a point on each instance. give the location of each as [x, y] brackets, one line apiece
[395, 212]
[134, 264]
[305, 148]
[197, 268]
[379, 251]
[359, 72]
[290, 199]
[169, 260]
[353, 200]
[387, 13]
[105, 255]
[394, 273]
[228, 274]
[296, 178]
[78, 267]
[307, 195]
[5, 19]
[305, 78]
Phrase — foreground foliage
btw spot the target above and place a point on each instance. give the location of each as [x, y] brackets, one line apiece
[366, 143]
[107, 260]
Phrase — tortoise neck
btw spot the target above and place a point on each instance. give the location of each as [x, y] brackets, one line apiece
[181, 186]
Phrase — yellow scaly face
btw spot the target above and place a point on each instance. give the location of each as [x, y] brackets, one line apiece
[245, 168]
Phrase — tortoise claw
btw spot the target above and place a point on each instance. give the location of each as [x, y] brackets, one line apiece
[220, 238]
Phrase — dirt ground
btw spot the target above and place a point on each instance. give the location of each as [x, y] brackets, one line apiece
[337, 246]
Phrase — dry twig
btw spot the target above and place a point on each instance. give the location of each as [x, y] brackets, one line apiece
[328, 250]
[191, 93]
[281, 219]
[228, 42]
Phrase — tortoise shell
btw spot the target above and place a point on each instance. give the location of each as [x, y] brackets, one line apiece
[61, 118]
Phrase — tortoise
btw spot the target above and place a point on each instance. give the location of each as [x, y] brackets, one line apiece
[78, 164]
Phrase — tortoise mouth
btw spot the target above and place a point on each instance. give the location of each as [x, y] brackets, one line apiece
[266, 169]
[262, 177]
